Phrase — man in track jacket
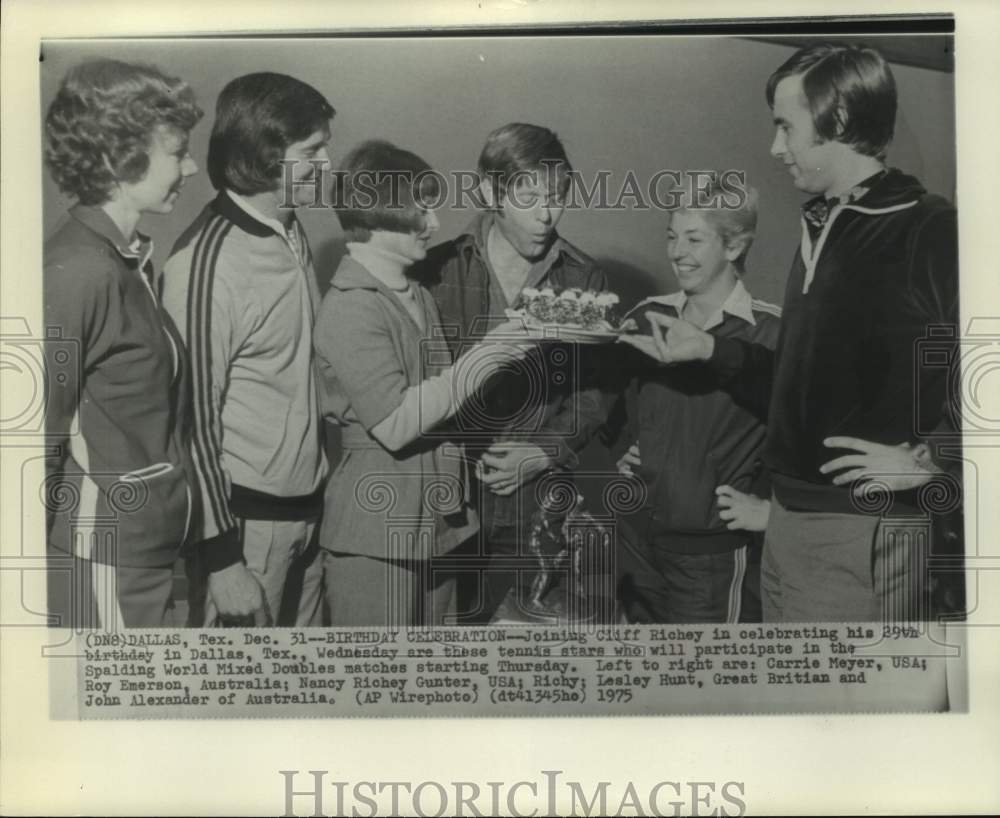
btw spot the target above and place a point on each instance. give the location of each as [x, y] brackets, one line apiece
[241, 287]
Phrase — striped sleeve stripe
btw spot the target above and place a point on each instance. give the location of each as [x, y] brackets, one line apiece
[736, 585]
[764, 306]
[199, 321]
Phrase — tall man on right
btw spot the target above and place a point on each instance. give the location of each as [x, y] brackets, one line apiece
[876, 269]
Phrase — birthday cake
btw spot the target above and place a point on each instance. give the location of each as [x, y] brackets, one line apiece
[571, 307]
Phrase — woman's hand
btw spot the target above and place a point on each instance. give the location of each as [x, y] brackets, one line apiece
[672, 340]
[745, 512]
[629, 460]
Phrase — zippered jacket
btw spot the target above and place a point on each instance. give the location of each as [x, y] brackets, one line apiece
[119, 474]
[245, 298]
[863, 302]
[693, 434]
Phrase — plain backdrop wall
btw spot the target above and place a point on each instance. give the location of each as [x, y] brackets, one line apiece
[639, 103]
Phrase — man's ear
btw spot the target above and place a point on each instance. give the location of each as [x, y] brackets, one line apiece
[488, 191]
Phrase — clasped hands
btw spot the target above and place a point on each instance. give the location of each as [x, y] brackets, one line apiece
[506, 466]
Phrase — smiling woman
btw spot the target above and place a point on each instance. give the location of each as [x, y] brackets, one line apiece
[117, 141]
[170, 164]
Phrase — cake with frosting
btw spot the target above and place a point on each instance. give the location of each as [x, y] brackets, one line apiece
[572, 307]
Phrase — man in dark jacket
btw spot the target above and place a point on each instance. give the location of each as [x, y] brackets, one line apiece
[853, 410]
[536, 416]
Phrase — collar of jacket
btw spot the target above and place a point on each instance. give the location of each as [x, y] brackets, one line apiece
[892, 192]
[226, 207]
[352, 275]
[95, 219]
[738, 303]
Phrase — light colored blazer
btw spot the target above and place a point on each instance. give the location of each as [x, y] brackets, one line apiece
[407, 504]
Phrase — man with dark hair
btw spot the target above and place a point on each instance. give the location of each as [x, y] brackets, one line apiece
[241, 287]
[536, 417]
[877, 268]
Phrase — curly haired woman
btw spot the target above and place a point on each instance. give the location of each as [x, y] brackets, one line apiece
[119, 480]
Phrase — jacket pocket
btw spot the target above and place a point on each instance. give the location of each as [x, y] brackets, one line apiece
[147, 473]
[152, 508]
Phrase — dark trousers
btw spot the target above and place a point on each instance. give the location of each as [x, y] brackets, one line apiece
[488, 569]
[495, 561]
[658, 585]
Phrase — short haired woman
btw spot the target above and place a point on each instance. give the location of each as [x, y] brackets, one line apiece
[399, 496]
[690, 554]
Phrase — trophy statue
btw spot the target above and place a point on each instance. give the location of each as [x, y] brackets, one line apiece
[573, 552]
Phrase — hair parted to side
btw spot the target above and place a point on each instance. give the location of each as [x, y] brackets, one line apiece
[735, 225]
[100, 124]
[381, 187]
[851, 93]
[257, 117]
[514, 150]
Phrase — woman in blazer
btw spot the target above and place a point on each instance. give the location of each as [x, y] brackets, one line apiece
[399, 496]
